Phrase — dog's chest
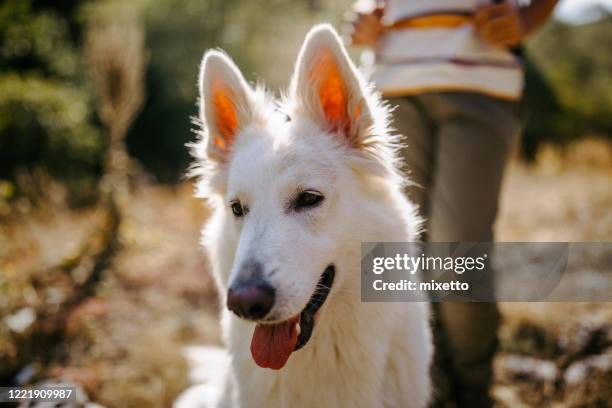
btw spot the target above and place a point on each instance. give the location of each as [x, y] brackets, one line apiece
[341, 367]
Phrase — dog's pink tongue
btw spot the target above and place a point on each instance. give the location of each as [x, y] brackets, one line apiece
[272, 344]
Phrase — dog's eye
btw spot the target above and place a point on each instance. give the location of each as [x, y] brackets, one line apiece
[237, 209]
[308, 199]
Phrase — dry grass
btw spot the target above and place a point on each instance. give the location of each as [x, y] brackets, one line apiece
[565, 196]
[124, 345]
[159, 297]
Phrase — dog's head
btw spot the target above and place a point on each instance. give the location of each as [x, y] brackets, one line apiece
[287, 183]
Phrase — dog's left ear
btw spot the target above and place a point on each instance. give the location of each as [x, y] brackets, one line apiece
[327, 86]
[225, 103]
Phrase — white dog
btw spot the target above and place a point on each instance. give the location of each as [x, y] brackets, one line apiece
[296, 187]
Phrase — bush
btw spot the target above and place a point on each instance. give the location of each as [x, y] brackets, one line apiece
[46, 122]
[46, 109]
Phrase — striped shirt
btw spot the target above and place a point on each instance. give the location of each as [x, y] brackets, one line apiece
[433, 46]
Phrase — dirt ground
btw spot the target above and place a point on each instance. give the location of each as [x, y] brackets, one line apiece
[124, 343]
[557, 354]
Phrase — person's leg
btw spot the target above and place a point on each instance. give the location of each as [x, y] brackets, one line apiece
[474, 138]
[418, 130]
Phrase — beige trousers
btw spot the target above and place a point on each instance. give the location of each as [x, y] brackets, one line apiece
[457, 145]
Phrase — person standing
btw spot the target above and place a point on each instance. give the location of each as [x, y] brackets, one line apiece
[453, 71]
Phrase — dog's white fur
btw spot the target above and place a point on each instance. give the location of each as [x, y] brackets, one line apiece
[360, 354]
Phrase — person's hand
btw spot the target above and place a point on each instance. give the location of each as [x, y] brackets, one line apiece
[500, 24]
[365, 29]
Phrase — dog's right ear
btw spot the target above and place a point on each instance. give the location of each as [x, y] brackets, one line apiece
[225, 103]
[327, 87]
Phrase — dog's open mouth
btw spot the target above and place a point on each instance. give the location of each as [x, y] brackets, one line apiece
[272, 344]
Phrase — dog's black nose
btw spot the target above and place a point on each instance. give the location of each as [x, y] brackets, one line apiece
[251, 299]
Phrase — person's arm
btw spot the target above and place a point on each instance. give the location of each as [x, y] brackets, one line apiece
[507, 25]
[365, 23]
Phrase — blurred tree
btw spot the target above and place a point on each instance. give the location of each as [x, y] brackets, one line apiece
[116, 60]
[541, 111]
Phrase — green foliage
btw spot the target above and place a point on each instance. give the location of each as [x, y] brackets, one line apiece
[577, 62]
[46, 115]
[35, 40]
[581, 69]
[46, 121]
[176, 45]
[262, 37]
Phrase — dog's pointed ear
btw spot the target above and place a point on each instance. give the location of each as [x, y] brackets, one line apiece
[327, 86]
[225, 103]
